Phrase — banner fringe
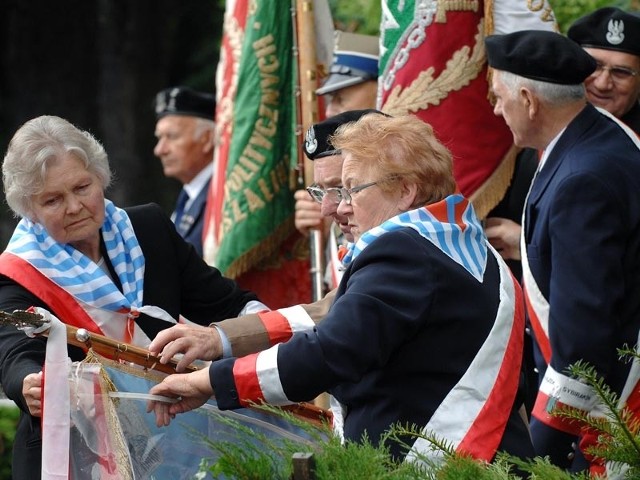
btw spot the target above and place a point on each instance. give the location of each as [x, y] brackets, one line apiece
[262, 251]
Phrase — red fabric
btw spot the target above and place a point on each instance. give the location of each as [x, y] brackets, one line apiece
[540, 335]
[246, 378]
[542, 411]
[63, 305]
[277, 326]
[226, 90]
[484, 437]
[463, 121]
[284, 284]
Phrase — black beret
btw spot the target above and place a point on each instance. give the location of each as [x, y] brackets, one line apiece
[316, 141]
[185, 101]
[609, 28]
[540, 55]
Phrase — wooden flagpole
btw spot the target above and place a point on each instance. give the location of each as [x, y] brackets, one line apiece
[305, 41]
[307, 109]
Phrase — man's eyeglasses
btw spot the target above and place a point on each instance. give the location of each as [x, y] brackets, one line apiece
[337, 194]
[618, 74]
[318, 194]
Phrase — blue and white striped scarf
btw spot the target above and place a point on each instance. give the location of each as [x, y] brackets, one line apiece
[78, 274]
[458, 233]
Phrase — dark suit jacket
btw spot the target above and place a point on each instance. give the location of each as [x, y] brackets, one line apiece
[191, 226]
[632, 118]
[582, 234]
[176, 279]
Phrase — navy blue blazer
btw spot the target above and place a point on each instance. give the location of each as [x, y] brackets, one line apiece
[191, 225]
[582, 234]
[414, 320]
[632, 118]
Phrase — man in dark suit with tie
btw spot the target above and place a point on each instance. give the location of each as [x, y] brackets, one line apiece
[186, 139]
[581, 234]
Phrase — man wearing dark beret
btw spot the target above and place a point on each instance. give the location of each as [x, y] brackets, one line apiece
[186, 137]
[612, 37]
[581, 231]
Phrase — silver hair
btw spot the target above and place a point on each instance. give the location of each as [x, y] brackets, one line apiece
[33, 146]
[549, 92]
[202, 125]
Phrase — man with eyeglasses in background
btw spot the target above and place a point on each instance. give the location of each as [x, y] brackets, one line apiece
[254, 332]
[612, 37]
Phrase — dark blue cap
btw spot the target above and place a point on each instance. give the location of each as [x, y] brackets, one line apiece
[355, 60]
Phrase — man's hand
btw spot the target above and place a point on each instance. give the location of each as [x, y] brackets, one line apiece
[193, 341]
[308, 213]
[191, 389]
[32, 393]
[504, 235]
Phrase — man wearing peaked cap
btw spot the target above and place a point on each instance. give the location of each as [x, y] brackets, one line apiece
[612, 37]
[186, 132]
[352, 81]
[581, 232]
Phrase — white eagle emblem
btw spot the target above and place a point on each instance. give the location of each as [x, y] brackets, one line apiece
[310, 142]
[615, 33]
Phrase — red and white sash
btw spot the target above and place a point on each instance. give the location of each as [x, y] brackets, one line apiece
[473, 416]
[117, 325]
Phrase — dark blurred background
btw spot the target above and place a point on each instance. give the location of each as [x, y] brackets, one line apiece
[99, 64]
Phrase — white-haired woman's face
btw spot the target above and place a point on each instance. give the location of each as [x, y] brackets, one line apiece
[71, 204]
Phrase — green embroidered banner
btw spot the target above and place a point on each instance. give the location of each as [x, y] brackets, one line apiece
[256, 211]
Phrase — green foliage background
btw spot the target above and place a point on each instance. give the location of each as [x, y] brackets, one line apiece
[363, 16]
[8, 422]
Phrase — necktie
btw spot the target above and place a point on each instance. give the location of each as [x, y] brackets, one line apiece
[180, 203]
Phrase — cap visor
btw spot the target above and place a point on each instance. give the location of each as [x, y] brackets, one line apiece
[337, 82]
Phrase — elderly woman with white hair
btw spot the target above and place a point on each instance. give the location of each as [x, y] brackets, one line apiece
[427, 325]
[126, 274]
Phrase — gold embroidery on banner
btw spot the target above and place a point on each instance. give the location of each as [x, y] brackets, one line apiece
[426, 90]
[543, 7]
[454, 5]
